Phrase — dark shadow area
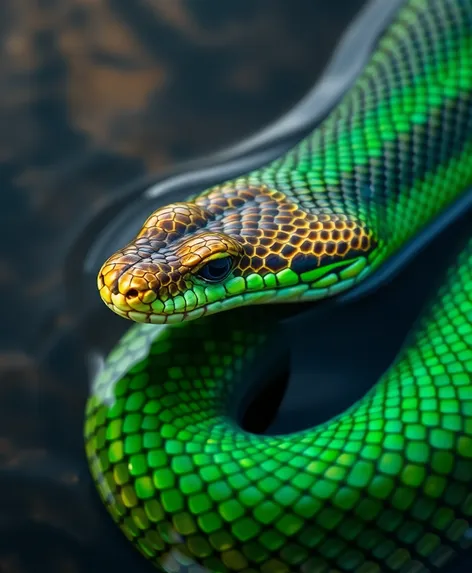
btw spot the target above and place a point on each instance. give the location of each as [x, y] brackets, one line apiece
[260, 408]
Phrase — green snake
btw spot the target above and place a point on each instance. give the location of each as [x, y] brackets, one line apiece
[384, 486]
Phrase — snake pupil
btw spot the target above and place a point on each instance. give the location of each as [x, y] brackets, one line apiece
[216, 269]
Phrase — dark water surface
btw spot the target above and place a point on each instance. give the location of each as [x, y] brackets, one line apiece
[95, 95]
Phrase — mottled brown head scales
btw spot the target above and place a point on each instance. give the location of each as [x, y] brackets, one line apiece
[228, 232]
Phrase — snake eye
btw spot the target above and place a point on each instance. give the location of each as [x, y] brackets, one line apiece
[216, 269]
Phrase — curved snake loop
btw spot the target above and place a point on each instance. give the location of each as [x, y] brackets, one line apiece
[384, 486]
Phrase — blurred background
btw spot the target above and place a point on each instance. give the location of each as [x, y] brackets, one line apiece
[94, 95]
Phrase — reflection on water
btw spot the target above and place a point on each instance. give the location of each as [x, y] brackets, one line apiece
[95, 94]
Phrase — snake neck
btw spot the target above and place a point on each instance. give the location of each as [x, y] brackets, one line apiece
[397, 149]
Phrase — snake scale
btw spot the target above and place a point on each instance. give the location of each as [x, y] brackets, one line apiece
[384, 486]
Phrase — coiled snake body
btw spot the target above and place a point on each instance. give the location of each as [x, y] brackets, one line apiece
[386, 486]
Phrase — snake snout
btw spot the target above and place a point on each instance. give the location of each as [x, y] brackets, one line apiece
[127, 283]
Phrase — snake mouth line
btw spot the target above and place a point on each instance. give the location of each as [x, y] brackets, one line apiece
[298, 293]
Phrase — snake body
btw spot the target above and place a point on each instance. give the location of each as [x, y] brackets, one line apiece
[385, 486]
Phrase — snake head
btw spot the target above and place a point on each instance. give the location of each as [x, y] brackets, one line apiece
[231, 247]
[173, 270]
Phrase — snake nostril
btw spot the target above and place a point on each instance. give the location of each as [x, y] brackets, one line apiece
[132, 293]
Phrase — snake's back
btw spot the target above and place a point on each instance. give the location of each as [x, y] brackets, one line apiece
[400, 140]
[397, 150]
[385, 486]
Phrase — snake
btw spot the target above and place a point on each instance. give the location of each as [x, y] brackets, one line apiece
[384, 485]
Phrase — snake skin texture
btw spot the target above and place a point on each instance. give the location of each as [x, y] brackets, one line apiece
[386, 485]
